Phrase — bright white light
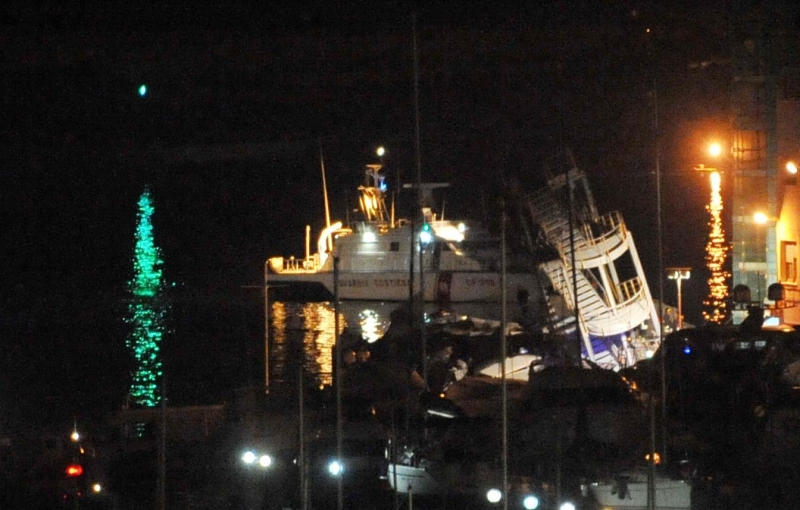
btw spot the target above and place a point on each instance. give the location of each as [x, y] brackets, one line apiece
[96, 488]
[248, 457]
[791, 167]
[372, 328]
[425, 237]
[648, 354]
[335, 468]
[567, 505]
[530, 502]
[760, 218]
[714, 150]
[716, 180]
[462, 227]
[369, 237]
[381, 151]
[494, 495]
[75, 436]
[265, 461]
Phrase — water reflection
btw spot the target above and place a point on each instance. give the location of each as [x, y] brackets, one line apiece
[302, 333]
[305, 332]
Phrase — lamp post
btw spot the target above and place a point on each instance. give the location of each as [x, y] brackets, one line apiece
[679, 274]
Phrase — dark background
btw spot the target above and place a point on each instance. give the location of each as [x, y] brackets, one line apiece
[241, 100]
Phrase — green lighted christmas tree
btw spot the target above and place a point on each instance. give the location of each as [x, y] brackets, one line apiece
[147, 311]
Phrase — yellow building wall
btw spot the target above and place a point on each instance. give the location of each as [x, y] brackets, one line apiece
[787, 228]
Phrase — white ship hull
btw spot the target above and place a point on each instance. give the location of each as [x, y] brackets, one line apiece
[440, 286]
[413, 480]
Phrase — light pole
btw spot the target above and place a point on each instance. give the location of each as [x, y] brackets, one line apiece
[679, 274]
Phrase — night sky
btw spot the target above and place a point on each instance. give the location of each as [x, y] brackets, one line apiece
[240, 101]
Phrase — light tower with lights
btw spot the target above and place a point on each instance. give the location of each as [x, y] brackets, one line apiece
[715, 306]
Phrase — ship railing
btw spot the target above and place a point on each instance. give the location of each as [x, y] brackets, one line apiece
[294, 265]
[611, 224]
[631, 310]
[629, 291]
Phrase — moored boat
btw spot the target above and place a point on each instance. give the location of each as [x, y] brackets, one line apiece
[629, 491]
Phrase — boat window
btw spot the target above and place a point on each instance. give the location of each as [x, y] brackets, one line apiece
[394, 246]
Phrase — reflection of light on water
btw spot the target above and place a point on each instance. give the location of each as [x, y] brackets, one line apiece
[372, 326]
[303, 331]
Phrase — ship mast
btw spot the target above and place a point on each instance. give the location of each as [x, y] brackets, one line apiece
[325, 197]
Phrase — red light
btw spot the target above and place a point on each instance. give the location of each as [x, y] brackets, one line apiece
[74, 470]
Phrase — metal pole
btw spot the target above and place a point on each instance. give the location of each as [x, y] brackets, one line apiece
[338, 361]
[680, 302]
[301, 438]
[411, 277]
[417, 150]
[422, 312]
[503, 352]
[571, 200]
[418, 159]
[651, 475]
[162, 450]
[266, 329]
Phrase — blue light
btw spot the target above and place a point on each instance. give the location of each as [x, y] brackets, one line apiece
[687, 350]
[383, 187]
[142, 90]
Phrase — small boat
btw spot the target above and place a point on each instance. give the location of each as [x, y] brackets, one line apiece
[628, 490]
[461, 260]
[423, 479]
[470, 483]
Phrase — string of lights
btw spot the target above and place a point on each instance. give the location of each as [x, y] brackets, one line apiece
[715, 306]
[147, 311]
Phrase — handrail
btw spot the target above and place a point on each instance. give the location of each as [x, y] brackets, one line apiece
[614, 223]
[294, 265]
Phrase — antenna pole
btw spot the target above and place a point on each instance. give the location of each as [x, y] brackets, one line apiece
[325, 195]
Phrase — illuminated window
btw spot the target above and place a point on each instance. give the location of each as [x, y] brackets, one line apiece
[788, 261]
